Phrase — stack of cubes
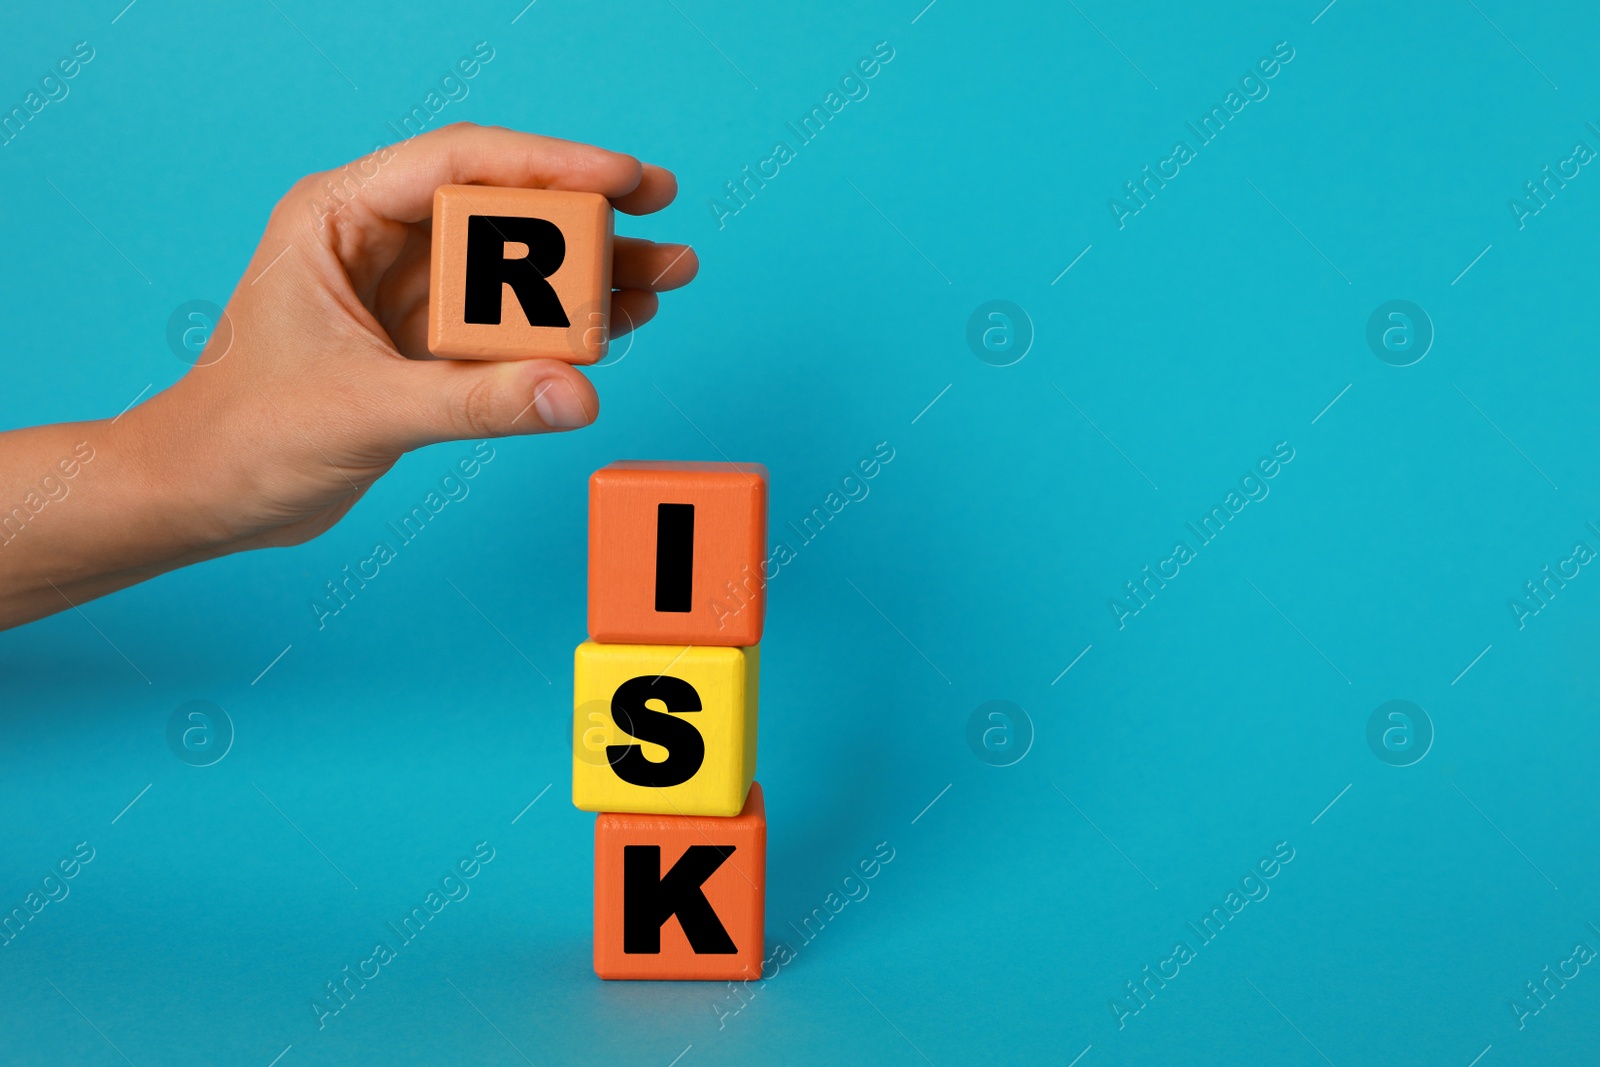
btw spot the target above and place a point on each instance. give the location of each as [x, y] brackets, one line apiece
[664, 740]
[664, 724]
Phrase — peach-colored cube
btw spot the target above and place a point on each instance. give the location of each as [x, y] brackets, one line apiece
[519, 274]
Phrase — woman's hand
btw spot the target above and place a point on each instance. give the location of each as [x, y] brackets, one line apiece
[325, 380]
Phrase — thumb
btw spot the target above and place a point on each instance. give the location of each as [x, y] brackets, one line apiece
[454, 400]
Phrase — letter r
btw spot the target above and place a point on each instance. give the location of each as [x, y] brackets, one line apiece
[489, 271]
[650, 898]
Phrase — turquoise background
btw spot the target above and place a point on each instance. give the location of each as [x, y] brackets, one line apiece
[1227, 716]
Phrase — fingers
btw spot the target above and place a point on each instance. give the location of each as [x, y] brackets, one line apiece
[639, 270]
[451, 400]
[404, 176]
[631, 309]
[638, 264]
[409, 330]
[395, 290]
[657, 188]
[384, 253]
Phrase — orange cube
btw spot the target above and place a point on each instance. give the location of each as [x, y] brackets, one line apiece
[519, 274]
[680, 896]
[675, 553]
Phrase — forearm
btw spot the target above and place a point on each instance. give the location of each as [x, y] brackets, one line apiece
[84, 511]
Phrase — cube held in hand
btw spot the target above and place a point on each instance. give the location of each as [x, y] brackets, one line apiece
[519, 274]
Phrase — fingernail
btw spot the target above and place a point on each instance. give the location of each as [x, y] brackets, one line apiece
[558, 405]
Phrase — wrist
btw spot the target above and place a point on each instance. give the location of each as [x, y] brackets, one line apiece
[175, 503]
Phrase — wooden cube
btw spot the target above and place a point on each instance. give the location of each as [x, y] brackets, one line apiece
[680, 897]
[519, 274]
[664, 729]
[676, 553]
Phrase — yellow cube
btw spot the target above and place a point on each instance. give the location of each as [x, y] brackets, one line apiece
[664, 729]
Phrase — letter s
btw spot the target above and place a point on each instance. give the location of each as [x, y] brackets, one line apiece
[686, 748]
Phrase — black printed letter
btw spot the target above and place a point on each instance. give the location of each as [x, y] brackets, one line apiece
[650, 898]
[674, 557]
[488, 269]
[686, 749]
